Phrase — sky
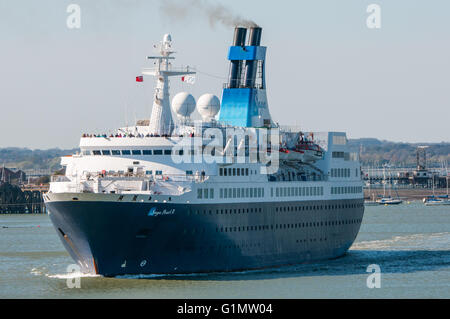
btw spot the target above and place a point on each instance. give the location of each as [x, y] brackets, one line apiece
[326, 70]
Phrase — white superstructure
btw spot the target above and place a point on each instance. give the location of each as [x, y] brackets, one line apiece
[141, 160]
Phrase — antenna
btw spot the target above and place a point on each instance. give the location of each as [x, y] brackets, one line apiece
[126, 117]
[161, 121]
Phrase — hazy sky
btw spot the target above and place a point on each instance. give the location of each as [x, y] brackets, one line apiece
[325, 69]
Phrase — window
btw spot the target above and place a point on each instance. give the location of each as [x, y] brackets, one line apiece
[136, 152]
[337, 154]
[211, 194]
[188, 172]
[199, 193]
[115, 152]
[147, 152]
[339, 139]
[158, 172]
[221, 171]
[167, 152]
[106, 152]
[157, 152]
[126, 152]
[148, 172]
[96, 153]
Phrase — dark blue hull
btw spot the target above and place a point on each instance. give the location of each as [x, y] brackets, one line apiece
[116, 238]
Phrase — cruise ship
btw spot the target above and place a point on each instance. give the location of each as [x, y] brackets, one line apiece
[232, 191]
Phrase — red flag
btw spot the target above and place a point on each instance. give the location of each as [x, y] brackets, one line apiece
[140, 78]
[188, 79]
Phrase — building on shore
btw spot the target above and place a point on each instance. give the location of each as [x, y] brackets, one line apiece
[12, 176]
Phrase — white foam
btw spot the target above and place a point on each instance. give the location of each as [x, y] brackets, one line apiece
[36, 272]
[71, 275]
[431, 241]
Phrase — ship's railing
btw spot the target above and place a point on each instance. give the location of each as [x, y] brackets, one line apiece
[142, 175]
[291, 128]
[129, 135]
[171, 68]
[301, 178]
[259, 86]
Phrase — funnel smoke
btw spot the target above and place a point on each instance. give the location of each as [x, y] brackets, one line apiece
[216, 13]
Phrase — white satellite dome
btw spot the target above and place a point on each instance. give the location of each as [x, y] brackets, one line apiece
[208, 105]
[183, 104]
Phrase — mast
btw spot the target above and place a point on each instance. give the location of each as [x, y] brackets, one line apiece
[161, 122]
[445, 168]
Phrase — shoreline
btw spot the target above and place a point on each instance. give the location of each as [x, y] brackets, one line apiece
[408, 194]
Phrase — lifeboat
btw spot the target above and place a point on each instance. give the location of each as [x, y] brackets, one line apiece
[310, 151]
[284, 154]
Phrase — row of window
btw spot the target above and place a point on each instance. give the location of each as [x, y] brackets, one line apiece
[244, 192]
[129, 152]
[277, 209]
[315, 207]
[345, 155]
[229, 211]
[258, 192]
[338, 154]
[151, 172]
[297, 191]
[234, 171]
[340, 172]
[339, 140]
[346, 190]
[206, 193]
[243, 244]
[288, 226]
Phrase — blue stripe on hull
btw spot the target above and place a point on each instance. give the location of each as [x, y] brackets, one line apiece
[116, 238]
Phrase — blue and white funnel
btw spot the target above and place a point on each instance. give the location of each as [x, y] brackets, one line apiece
[244, 99]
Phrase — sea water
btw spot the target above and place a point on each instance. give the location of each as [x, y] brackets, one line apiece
[410, 243]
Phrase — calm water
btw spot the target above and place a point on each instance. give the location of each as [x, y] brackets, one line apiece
[411, 244]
